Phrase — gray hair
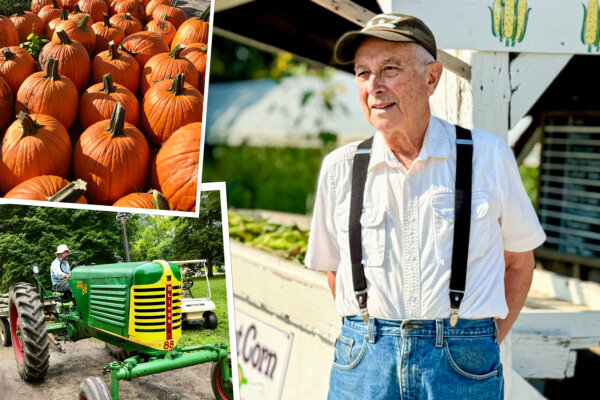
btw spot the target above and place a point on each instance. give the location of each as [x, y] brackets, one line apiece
[422, 56]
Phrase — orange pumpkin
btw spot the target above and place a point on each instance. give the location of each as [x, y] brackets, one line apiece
[123, 68]
[49, 12]
[6, 104]
[152, 200]
[133, 7]
[143, 45]
[9, 36]
[196, 53]
[166, 66]
[76, 15]
[42, 188]
[176, 167]
[194, 30]
[163, 27]
[46, 143]
[98, 102]
[26, 23]
[151, 6]
[52, 25]
[174, 14]
[106, 32]
[169, 105]
[68, 4]
[112, 157]
[73, 59]
[37, 5]
[16, 64]
[129, 24]
[79, 31]
[94, 7]
[49, 93]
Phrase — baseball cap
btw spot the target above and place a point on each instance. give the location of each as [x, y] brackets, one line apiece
[391, 27]
[61, 249]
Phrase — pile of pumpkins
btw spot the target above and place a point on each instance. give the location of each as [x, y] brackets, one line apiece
[110, 68]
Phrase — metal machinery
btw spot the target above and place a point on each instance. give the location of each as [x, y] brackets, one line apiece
[197, 310]
[135, 306]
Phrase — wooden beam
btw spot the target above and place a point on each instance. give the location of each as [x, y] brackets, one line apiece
[360, 16]
[222, 5]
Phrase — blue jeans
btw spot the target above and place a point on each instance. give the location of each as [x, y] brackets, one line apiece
[416, 359]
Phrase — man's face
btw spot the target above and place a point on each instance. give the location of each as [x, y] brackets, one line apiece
[393, 86]
[63, 254]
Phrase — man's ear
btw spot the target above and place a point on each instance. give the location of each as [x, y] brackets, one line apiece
[434, 73]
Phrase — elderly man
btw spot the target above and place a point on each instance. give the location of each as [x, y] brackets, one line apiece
[60, 271]
[425, 230]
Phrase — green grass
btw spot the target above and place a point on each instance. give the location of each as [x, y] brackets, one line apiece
[196, 335]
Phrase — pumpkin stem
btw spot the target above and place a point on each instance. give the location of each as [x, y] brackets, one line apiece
[52, 69]
[64, 38]
[70, 193]
[176, 51]
[106, 20]
[108, 87]
[206, 14]
[126, 50]
[77, 9]
[83, 21]
[113, 53]
[55, 5]
[20, 12]
[164, 16]
[159, 201]
[30, 127]
[117, 121]
[8, 55]
[177, 86]
[64, 14]
[127, 16]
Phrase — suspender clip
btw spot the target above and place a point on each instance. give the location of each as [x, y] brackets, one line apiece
[456, 297]
[361, 297]
[453, 317]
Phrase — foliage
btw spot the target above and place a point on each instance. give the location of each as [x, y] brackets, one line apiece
[10, 7]
[152, 238]
[289, 242]
[530, 177]
[34, 44]
[194, 336]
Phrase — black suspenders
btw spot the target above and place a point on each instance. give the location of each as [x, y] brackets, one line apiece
[462, 221]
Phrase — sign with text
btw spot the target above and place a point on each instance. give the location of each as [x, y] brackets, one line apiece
[538, 26]
[263, 354]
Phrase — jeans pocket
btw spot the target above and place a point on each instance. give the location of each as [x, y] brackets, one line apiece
[349, 352]
[474, 357]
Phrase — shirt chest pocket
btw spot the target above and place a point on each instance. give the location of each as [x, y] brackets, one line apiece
[443, 216]
[373, 231]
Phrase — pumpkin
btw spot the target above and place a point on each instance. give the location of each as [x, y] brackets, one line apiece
[106, 32]
[98, 102]
[151, 6]
[46, 188]
[174, 14]
[133, 7]
[129, 24]
[79, 31]
[196, 53]
[33, 145]
[68, 4]
[112, 157]
[93, 7]
[143, 45]
[37, 5]
[176, 167]
[73, 59]
[169, 105]
[9, 36]
[26, 23]
[49, 12]
[16, 64]
[163, 27]
[52, 25]
[153, 200]
[6, 104]
[77, 15]
[123, 68]
[194, 30]
[166, 66]
[49, 93]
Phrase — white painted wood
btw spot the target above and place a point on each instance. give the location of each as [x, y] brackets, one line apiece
[222, 5]
[573, 325]
[572, 290]
[520, 389]
[543, 356]
[530, 76]
[385, 5]
[452, 99]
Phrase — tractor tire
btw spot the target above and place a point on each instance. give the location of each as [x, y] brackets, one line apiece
[220, 391]
[28, 332]
[118, 352]
[5, 332]
[93, 388]
[210, 320]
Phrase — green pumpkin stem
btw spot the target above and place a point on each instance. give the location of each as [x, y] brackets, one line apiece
[177, 86]
[52, 69]
[117, 121]
[30, 127]
[113, 53]
[83, 21]
[64, 38]
[108, 87]
[206, 14]
[8, 55]
[177, 51]
[127, 16]
[159, 201]
[106, 20]
[70, 193]
[164, 16]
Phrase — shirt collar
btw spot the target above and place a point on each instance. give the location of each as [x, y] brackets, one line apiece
[435, 144]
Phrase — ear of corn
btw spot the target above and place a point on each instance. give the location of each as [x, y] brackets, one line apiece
[509, 19]
[522, 35]
[522, 12]
[591, 22]
[496, 11]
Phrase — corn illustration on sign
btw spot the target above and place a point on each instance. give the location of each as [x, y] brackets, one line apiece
[509, 20]
[590, 31]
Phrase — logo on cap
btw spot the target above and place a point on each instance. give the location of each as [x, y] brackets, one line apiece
[388, 21]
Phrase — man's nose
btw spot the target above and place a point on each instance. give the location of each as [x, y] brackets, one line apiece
[375, 84]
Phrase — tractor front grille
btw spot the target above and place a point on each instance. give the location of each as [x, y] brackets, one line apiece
[152, 306]
[108, 305]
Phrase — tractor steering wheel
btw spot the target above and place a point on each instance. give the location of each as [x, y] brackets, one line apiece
[75, 263]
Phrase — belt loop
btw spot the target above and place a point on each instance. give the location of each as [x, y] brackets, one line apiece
[496, 331]
[371, 330]
[439, 332]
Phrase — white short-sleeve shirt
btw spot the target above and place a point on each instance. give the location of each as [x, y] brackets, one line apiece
[408, 226]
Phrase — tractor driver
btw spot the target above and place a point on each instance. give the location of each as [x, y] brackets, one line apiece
[60, 271]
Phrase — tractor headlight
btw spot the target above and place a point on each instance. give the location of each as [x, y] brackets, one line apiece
[36, 269]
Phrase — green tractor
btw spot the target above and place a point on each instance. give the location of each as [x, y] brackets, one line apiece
[134, 307]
